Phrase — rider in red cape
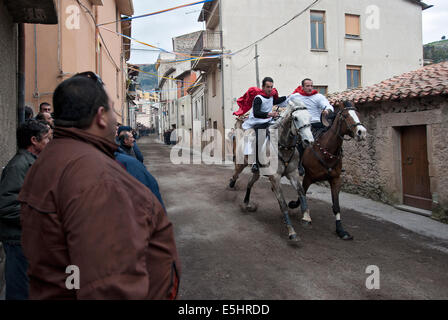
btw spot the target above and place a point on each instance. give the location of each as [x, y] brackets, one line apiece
[261, 101]
[246, 101]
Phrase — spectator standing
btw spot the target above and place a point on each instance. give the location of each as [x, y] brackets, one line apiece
[32, 138]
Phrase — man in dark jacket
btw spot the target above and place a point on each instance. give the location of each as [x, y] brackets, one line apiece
[126, 144]
[91, 230]
[32, 137]
[135, 148]
[138, 170]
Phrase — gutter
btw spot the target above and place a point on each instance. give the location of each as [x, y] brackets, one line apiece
[422, 4]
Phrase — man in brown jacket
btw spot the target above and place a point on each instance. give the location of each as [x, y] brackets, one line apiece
[84, 219]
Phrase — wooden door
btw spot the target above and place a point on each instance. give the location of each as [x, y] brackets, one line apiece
[414, 162]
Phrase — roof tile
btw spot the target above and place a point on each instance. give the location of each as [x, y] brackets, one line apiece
[428, 80]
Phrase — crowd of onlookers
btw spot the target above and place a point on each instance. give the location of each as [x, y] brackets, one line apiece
[77, 193]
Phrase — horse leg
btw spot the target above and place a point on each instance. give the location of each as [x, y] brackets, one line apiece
[335, 184]
[306, 184]
[306, 220]
[238, 169]
[247, 206]
[275, 181]
[295, 182]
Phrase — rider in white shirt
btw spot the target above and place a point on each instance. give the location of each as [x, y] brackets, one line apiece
[314, 101]
[317, 105]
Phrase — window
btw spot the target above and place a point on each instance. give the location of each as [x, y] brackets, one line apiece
[202, 105]
[352, 26]
[182, 88]
[322, 89]
[353, 76]
[317, 30]
[196, 109]
[214, 83]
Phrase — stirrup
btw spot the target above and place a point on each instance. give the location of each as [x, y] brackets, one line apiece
[255, 168]
[301, 170]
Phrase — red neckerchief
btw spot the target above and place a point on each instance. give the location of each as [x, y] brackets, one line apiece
[303, 93]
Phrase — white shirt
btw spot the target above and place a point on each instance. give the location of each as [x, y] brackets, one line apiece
[266, 106]
[315, 104]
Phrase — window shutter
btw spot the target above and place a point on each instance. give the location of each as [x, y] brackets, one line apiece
[352, 27]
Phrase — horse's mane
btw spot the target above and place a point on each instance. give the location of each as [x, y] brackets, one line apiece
[284, 116]
[287, 112]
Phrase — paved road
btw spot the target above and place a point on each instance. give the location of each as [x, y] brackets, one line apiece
[227, 254]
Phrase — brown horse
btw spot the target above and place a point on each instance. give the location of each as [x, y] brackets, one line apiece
[323, 160]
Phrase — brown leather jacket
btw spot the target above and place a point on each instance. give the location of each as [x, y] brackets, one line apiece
[80, 207]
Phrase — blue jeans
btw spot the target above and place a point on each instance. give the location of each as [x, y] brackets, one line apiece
[16, 265]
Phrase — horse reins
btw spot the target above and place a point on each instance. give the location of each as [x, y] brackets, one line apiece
[296, 140]
[340, 114]
[340, 155]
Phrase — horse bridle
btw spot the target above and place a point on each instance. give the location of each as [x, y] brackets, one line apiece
[341, 114]
[296, 141]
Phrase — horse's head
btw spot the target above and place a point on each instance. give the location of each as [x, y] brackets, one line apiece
[351, 124]
[300, 121]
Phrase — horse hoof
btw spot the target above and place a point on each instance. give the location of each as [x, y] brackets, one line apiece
[344, 235]
[293, 204]
[293, 239]
[307, 224]
[249, 207]
[232, 184]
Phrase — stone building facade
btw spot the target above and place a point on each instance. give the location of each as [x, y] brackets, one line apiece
[379, 167]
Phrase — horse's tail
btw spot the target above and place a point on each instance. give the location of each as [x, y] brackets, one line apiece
[234, 149]
[238, 126]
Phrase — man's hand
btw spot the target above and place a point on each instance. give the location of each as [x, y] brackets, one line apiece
[273, 114]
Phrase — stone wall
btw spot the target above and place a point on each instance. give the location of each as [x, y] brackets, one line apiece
[8, 86]
[185, 43]
[373, 167]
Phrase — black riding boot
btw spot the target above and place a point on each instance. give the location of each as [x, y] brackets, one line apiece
[256, 165]
[301, 149]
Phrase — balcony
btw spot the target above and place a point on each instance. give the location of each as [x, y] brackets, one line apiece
[208, 44]
[37, 11]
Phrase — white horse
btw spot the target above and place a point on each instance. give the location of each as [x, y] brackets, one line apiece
[292, 127]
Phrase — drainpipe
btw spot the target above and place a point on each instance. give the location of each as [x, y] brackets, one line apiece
[36, 87]
[222, 79]
[21, 74]
[192, 117]
[97, 57]
[177, 115]
[206, 100]
[59, 40]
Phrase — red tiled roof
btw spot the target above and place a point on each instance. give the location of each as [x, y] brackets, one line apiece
[427, 81]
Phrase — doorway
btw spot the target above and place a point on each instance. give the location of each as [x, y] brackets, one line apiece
[414, 164]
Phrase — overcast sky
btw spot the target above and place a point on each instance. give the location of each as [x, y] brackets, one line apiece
[160, 29]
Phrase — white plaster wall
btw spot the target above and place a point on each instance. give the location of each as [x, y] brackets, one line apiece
[394, 48]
